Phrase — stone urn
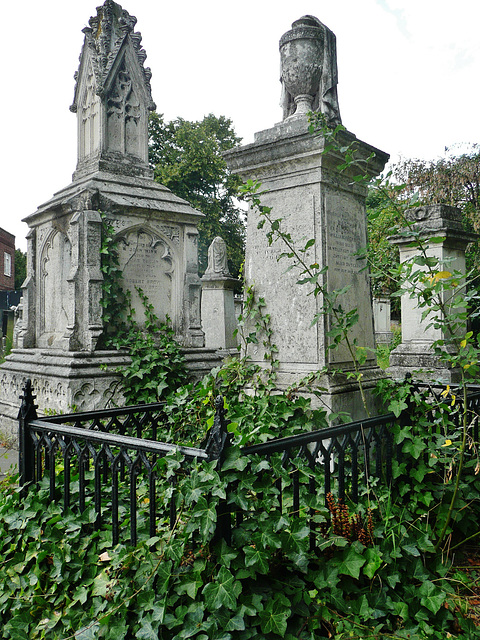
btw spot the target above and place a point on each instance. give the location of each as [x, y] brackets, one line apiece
[301, 57]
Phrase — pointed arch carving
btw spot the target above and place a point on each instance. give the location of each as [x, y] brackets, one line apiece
[54, 312]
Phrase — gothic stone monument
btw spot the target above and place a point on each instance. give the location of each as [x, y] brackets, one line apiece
[156, 233]
[314, 199]
[414, 355]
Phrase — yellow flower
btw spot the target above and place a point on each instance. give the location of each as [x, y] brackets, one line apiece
[446, 391]
[447, 443]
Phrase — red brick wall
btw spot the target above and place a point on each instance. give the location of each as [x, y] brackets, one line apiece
[7, 245]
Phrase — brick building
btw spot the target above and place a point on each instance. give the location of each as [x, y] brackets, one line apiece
[7, 261]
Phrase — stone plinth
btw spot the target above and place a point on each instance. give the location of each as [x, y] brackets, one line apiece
[218, 311]
[415, 353]
[314, 199]
[63, 382]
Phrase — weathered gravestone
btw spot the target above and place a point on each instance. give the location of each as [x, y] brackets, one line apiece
[156, 233]
[415, 354]
[218, 307]
[382, 320]
[314, 199]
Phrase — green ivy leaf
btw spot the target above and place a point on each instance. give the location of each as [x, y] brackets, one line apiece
[374, 560]
[146, 630]
[206, 517]
[223, 592]
[431, 596]
[256, 558]
[396, 407]
[89, 632]
[101, 584]
[237, 623]
[415, 446]
[275, 616]
[351, 563]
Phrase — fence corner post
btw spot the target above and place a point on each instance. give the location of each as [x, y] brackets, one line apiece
[26, 453]
[217, 444]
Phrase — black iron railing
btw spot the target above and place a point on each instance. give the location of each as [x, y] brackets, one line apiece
[341, 461]
[343, 453]
[113, 457]
[82, 458]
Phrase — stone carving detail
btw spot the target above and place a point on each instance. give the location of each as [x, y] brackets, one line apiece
[123, 113]
[112, 97]
[18, 322]
[416, 215]
[90, 138]
[309, 77]
[217, 258]
[55, 268]
[105, 37]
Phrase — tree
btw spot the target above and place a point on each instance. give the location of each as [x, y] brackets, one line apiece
[20, 268]
[383, 221]
[187, 158]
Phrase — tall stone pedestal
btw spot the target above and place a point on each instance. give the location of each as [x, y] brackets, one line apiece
[315, 200]
[414, 355]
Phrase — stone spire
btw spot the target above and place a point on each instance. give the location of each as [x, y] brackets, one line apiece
[112, 96]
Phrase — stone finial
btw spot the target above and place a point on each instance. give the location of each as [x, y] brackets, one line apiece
[308, 56]
[104, 37]
[217, 259]
[112, 96]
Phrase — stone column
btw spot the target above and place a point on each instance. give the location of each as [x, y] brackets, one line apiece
[27, 327]
[415, 353]
[194, 334]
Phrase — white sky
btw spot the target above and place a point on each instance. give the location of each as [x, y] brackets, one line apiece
[409, 76]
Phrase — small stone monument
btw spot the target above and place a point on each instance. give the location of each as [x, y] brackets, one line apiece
[381, 319]
[414, 355]
[156, 233]
[218, 305]
[314, 199]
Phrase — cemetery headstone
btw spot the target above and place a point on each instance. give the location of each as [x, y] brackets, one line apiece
[218, 306]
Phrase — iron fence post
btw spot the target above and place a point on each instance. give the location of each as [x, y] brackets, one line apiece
[218, 441]
[26, 453]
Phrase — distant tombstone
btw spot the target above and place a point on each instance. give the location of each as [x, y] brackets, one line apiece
[218, 305]
[381, 320]
[414, 355]
[217, 258]
[303, 185]
[155, 231]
